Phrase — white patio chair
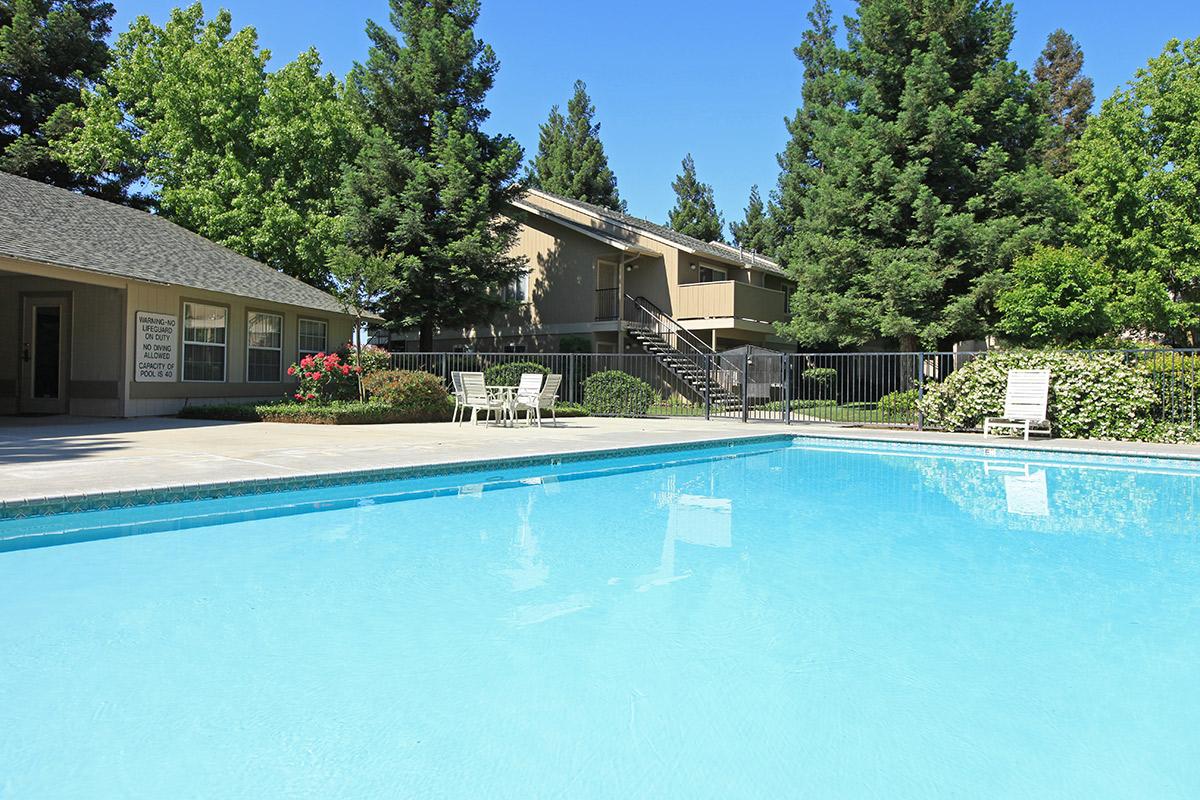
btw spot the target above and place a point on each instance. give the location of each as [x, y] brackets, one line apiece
[1025, 401]
[476, 397]
[460, 397]
[543, 401]
[528, 390]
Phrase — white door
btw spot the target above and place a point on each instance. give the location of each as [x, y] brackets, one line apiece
[45, 352]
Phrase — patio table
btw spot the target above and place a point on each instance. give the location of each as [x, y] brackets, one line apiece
[508, 396]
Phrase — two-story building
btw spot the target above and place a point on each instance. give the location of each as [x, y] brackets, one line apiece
[587, 267]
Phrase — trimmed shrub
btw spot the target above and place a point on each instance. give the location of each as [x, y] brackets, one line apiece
[574, 344]
[370, 358]
[617, 393]
[822, 377]
[899, 405]
[421, 396]
[1092, 395]
[509, 373]
[335, 413]
[1176, 378]
[569, 410]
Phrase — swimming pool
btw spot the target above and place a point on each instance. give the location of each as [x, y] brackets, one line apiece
[781, 619]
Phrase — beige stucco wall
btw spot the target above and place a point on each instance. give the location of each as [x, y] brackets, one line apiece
[94, 370]
[103, 319]
[168, 398]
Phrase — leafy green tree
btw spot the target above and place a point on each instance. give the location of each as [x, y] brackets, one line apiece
[48, 50]
[1068, 95]
[1137, 169]
[930, 181]
[823, 96]
[241, 156]
[360, 282]
[1058, 296]
[570, 160]
[755, 231]
[428, 189]
[695, 212]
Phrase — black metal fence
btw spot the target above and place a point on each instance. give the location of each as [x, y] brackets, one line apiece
[878, 389]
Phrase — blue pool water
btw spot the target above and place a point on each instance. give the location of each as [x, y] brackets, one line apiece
[767, 621]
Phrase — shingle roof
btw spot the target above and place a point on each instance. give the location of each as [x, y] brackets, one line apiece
[714, 249]
[43, 223]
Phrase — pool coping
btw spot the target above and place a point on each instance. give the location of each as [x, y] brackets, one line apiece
[25, 508]
[1046, 448]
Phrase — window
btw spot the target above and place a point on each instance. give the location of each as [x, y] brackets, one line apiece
[204, 329]
[514, 348]
[264, 347]
[709, 274]
[518, 290]
[313, 337]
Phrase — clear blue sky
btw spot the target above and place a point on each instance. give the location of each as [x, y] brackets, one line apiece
[675, 76]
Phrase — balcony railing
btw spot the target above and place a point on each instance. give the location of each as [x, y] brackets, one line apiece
[608, 304]
[730, 299]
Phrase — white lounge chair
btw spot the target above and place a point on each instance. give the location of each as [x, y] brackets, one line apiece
[476, 397]
[460, 397]
[1025, 401]
[542, 401]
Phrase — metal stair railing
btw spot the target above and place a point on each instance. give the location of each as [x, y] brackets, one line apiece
[643, 314]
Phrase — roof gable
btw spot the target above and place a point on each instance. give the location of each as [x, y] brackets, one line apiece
[690, 244]
[46, 224]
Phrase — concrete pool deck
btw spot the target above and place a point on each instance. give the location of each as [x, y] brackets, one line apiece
[61, 456]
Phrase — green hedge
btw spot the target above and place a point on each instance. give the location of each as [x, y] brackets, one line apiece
[338, 412]
[899, 404]
[1092, 395]
[509, 374]
[420, 395]
[617, 393]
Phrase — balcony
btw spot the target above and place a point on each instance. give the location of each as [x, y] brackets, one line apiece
[730, 300]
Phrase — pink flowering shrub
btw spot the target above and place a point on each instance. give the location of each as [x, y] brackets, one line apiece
[324, 377]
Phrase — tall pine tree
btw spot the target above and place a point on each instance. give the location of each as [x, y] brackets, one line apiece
[49, 49]
[570, 160]
[1068, 95]
[428, 189]
[930, 183]
[695, 212]
[755, 231]
[823, 95]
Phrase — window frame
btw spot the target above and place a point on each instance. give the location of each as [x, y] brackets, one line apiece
[521, 279]
[183, 341]
[715, 270]
[250, 312]
[300, 352]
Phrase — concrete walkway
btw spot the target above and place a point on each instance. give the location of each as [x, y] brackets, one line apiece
[58, 456]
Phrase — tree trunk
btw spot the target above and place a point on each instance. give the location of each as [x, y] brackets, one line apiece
[358, 325]
[909, 343]
[426, 343]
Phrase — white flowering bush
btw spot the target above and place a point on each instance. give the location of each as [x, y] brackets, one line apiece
[1092, 395]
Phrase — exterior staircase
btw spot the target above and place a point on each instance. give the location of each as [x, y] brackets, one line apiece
[700, 371]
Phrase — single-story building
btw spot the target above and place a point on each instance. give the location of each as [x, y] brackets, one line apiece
[110, 311]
